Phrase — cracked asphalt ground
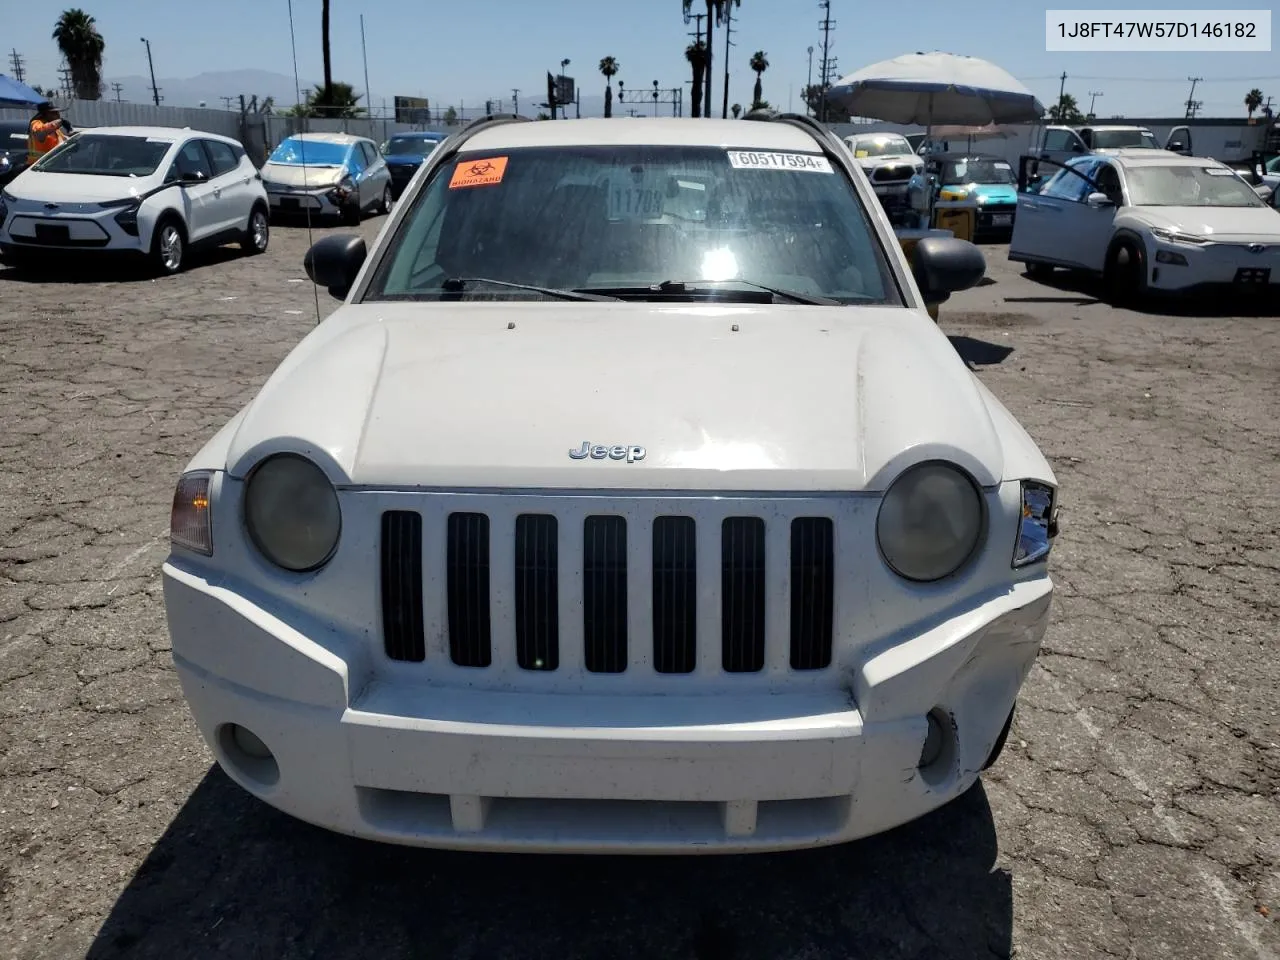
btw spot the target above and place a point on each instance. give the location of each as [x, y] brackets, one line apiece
[1133, 814]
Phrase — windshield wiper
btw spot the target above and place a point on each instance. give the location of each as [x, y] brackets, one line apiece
[458, 284]
[711, 286]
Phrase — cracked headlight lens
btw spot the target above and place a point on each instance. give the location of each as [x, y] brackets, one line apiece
[190, 522]
[291, 512]
[931, 522]
[1039, 524]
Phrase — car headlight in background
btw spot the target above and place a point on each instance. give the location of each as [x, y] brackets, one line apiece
[1038, 525]
[931, 522]
[291, 512]
[190, 522]
[1173, 236]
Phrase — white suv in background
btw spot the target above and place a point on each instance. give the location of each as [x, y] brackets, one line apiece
[157, 191]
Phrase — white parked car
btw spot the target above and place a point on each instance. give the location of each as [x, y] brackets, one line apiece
[889, 163]
[155, 191]
[1151, 222]
[328, 174]
[602, 518]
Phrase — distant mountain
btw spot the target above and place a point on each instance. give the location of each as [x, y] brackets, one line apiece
[210, 87]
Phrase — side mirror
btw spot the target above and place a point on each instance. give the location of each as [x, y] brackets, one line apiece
[1078, 147]
[1177, 146]
[192, 177]
[334, 262]
[944, 265]
[1099, 200]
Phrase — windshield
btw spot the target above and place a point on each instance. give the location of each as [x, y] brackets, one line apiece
[410, 146]
[295, 151]
[879, 147]
[975, 170]
[106, 155]
[1189, 186]
[609, 217]
[1119, 139]
[13, 137]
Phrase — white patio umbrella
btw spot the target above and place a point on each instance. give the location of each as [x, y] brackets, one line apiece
[935, 88]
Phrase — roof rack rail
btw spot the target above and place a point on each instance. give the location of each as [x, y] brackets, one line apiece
[820, 131]
[456, 140]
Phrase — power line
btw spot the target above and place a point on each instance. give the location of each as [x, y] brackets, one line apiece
[828, 63]
[1192, 104]
[1156, 79]
[18, 62]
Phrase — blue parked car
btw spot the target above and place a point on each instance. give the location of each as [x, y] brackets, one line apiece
[988, 181]
[404, 153]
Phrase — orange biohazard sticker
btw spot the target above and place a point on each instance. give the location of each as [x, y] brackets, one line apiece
[478, 173]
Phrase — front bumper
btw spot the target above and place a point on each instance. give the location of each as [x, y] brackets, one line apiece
[368, 750]
[1231, 268]
[316, 201]
[74, 227]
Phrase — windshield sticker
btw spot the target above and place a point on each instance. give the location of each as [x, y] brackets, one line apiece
[1219, 172]
[807, 162]
[861, 154]
[478, 173]
[1002, 166]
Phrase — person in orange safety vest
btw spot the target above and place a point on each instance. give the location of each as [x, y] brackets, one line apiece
[46, 130]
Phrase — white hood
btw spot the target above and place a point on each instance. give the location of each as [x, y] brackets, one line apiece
[1228, 224]
[75, 187]
[870, 163]
[797, 399]
[296, 175]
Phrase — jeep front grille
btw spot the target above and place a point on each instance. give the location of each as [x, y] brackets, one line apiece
[746, 569]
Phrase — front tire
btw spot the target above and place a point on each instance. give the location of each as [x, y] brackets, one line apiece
[169, 247]
[387, 200]
[258, 235]
[1125, 272]
[1039, 271]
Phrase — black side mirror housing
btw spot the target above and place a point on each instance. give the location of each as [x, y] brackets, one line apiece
[192, 176]
[944, 265]
[334, 263]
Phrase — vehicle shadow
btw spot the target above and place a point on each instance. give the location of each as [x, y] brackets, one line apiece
[231, 877]
[980, 353]
[1089, 290]
[108, 269]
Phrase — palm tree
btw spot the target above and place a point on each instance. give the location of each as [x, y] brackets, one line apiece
[77, 37]
[1252, 101]
[339, 102]
[759, 63]
[696, 54]
[728, 17]
[715, 12]
[324, 49]
[609, 67]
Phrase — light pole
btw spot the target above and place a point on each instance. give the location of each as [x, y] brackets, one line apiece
[808, 108]
[564, 114]
[1093, 97]
[155, 91]
[655, 98]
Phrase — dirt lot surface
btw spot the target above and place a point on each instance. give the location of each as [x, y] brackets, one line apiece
[1133, 815]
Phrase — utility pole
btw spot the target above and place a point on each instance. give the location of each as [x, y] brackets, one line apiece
[227, 101]
[1191, 97]
[827, 24]
[1093, 97]
[808, 87]
[64, 77]
[515, 101]
[1062, 92]
[155, 91]
[365, 55]
[19, 71]
[697, 38]
[118, 87]
[728, 31]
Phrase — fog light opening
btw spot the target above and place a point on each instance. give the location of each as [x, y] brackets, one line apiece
[245, 753]
[939, 749]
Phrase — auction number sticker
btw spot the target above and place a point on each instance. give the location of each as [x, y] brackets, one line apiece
[806, 162]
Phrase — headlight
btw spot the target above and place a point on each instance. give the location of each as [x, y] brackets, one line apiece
[291, 512]
[190, 523]
[1039, 523]
[931, 522]
[1173, 236]
[127, 218]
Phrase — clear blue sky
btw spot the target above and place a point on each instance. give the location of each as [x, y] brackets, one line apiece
[470, 51]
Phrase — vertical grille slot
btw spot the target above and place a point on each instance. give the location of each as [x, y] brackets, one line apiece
[470, 642]
[812, 592]
[537, 592]
[742, 591]
[675, 595]
[604, 594]
[401, 546]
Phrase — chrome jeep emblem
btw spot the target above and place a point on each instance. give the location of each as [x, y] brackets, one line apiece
[629, 453]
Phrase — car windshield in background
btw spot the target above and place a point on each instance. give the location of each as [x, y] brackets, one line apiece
[881, 147]
[107, 155]
[977, 171]
[410, 146]
[297, 152]
[622, 219]
[1119, 139]
[1189, 186]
